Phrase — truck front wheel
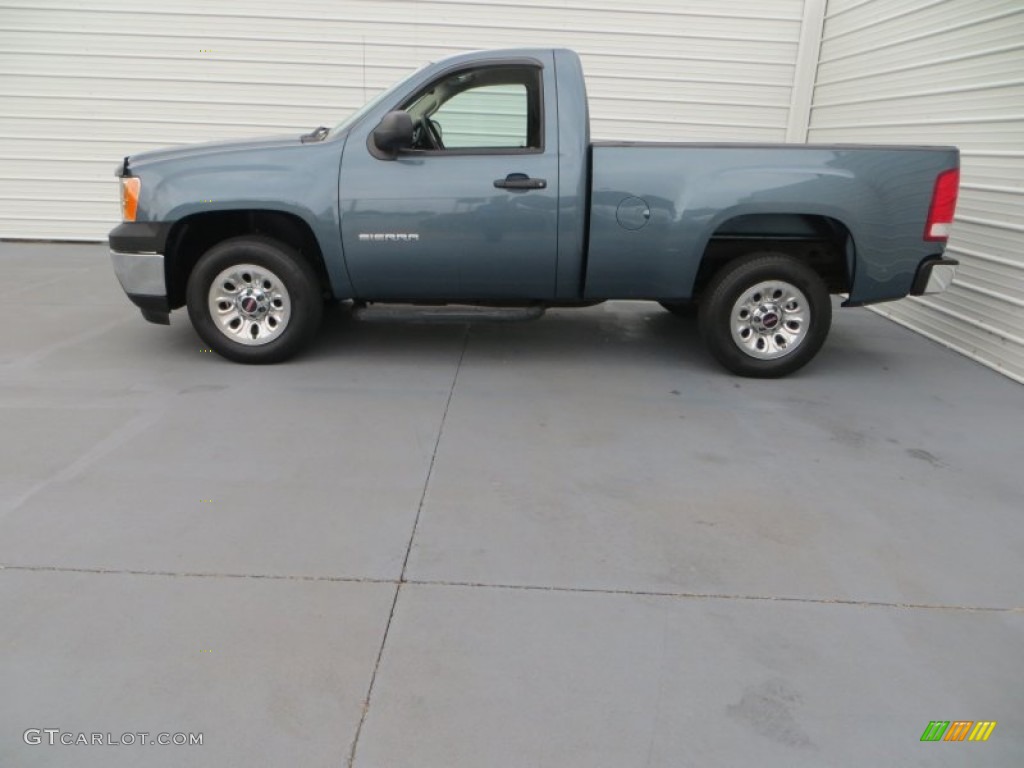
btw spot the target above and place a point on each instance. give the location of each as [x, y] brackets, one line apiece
[765, 315]
[254, 300]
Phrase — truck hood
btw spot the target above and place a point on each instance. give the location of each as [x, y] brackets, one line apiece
[192, 151]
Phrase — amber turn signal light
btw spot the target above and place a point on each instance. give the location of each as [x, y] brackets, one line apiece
[129, 197]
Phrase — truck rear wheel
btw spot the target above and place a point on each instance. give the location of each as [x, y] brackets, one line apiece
[254, 300]
[765, 315]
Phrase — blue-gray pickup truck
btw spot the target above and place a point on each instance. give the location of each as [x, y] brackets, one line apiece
[475, 181]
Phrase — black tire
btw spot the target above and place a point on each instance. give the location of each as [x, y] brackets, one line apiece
[781, 331]
[287, 296]
[687, 309]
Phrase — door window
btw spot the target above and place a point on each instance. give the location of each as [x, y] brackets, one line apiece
[480, 110]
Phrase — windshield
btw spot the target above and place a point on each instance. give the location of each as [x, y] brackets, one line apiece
[373, 103]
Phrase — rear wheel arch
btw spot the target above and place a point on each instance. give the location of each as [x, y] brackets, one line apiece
[823, 243]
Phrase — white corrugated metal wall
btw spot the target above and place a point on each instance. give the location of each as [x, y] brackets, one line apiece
[84, 83]
[952, 72]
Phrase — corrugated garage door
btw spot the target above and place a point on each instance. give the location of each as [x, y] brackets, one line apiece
[84, 83]
[952, 73]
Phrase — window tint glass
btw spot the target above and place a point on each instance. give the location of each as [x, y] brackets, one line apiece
[489, 116]
[496, 107]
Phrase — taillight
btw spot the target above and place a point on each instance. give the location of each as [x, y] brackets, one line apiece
[129, 197]
[940, 212]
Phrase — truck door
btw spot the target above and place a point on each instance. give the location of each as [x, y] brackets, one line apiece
[471, 210]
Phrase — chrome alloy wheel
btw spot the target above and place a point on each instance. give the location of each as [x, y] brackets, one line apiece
[770, 320]
[249, 304]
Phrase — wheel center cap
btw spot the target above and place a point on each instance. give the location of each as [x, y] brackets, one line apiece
[251, 304]
[767, 317]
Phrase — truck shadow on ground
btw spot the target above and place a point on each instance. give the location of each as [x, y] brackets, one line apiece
[568, 335]
[624, 333]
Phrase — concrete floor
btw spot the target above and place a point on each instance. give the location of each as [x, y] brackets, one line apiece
[450, 544]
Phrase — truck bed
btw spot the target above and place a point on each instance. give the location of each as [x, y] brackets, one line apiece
[662, 203]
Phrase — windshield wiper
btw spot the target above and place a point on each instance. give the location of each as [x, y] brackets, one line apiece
[317, 134]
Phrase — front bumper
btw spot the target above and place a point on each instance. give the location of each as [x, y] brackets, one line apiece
[142, 277]
[934, 276]
[136, 249]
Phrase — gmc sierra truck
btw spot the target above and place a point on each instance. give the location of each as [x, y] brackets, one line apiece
[474, 181]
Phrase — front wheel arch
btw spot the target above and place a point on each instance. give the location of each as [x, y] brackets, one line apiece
[194, 235]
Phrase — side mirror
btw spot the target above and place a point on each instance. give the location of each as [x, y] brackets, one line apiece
[394, 132]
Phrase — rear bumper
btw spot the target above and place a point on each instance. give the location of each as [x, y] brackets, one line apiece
[136, 250]
[934, 276]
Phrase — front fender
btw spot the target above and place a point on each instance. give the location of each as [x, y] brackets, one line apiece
[298, 179]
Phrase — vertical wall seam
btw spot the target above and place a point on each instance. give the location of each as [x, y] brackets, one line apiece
[805, 74]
